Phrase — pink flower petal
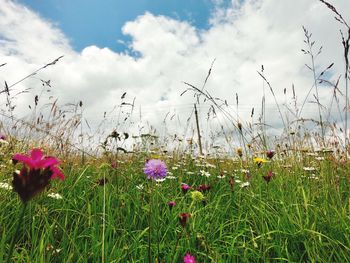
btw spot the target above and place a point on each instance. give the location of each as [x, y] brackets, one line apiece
[24, 159]
[47, 162]
[36, 155]
[56, 172]
[189, 258]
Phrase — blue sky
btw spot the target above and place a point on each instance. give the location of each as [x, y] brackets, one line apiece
[94, 22]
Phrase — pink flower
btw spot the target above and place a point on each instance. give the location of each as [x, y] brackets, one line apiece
[114, 165]
[183, 218]
[36, 173]
[171, 204]
[185, 188]
[270, 154]
[203, 188]
[268, 177]
[36, 160]
[189, 258]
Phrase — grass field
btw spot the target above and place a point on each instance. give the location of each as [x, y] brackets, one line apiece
[117, 214]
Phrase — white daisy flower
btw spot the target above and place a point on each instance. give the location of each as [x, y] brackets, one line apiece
[5, 186]
[309, 168]
[245, 184]
[55, 196]
[139, 187]
[204, 173]
[159, 180]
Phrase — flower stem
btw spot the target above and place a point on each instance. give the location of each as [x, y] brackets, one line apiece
[149, 225]
[177, 244]
[14, 238]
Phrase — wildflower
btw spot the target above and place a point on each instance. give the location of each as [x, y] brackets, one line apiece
[203, 188]
[327, 150]
[239, 152]
[185, 188]
[35, 174]
[171, 204]
[310, 169]
[270, 154]
[55, 196]
[183, 218]
[311, 154]
[269, 176]
[244, 185]
[114, 165]
[204, 173]
[259, 161]
[171, 177]
[247, 176]
[102, 181]
[197, 196]
[37, 160]
[320, 158]
[155, 169]
[5, 186]
[139, 187]
[189, 258]
[313, 176]
[221, 176]
[209, 165]
[160, 180]
[232, 183]
[3, 141]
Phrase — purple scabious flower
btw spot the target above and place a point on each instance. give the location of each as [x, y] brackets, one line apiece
[155, 169]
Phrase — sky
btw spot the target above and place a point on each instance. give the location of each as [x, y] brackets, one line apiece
[149, 50]
[92, 22]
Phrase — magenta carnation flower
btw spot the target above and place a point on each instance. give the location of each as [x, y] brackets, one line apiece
[269, 176]
[183, 218]
[35, 174]
[171, 204]
[189, 258]
[270, 154]
[185, 187]
[155, 169]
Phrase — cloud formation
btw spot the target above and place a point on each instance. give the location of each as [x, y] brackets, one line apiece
[164, 52]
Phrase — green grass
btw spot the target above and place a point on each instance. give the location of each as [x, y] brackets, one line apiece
[294, 218]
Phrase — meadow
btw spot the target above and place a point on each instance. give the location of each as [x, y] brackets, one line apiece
[289, 202]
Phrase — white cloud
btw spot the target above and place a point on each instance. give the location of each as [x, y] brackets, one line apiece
[241, 38]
